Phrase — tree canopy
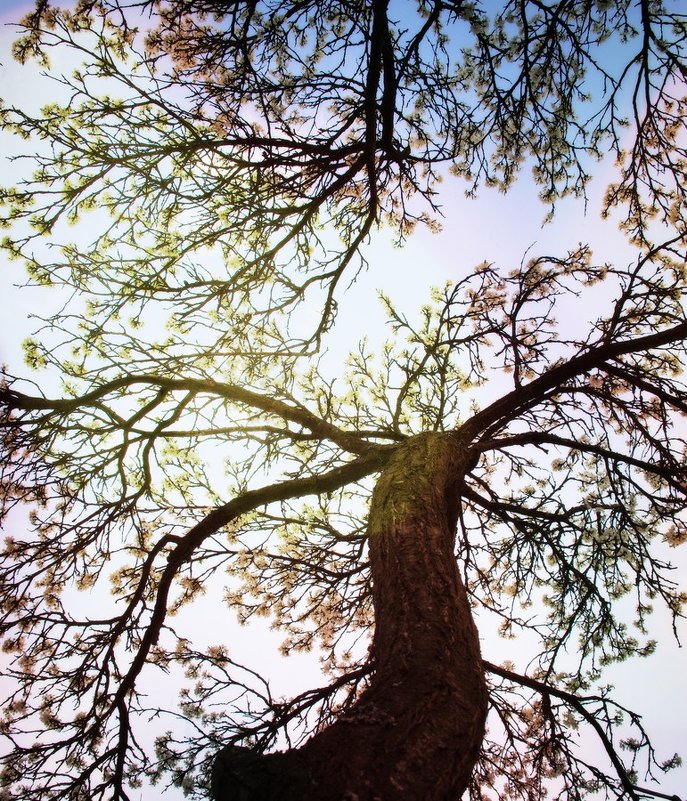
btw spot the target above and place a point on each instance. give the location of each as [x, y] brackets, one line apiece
[201, 192]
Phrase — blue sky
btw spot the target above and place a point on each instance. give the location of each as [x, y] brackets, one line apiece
[495, 228]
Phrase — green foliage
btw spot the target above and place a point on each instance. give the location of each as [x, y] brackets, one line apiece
[200, 184]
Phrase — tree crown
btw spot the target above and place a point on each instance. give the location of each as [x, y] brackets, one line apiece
[233, 160]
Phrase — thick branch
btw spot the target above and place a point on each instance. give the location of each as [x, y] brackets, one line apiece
[522, 398]
[222, 516]
[351, 442]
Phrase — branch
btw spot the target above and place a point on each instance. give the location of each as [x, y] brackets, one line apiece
[522, 398]
[351, 442]
[646, 386]
[222, 516]
[545, 438]
[578, 705]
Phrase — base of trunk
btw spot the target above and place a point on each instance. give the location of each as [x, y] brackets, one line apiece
[416, 732]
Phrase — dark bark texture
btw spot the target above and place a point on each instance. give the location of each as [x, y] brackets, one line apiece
[415, 733]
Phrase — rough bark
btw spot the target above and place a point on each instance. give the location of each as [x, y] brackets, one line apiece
[415, 733]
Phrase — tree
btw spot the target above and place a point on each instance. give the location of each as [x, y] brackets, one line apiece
[233, 159]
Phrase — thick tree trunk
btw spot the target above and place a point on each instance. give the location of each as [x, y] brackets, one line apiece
[415, 733]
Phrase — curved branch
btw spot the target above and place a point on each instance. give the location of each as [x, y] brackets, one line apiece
[578, 705]
[222, 516]
[645, 386]
[545, 438]
[351, 442]
[522, 398]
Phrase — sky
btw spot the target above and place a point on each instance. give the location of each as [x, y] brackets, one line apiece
[496, 228]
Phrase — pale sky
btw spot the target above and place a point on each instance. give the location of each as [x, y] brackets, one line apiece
[495, 228]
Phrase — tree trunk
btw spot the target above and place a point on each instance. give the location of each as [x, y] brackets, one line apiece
[415, 733]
